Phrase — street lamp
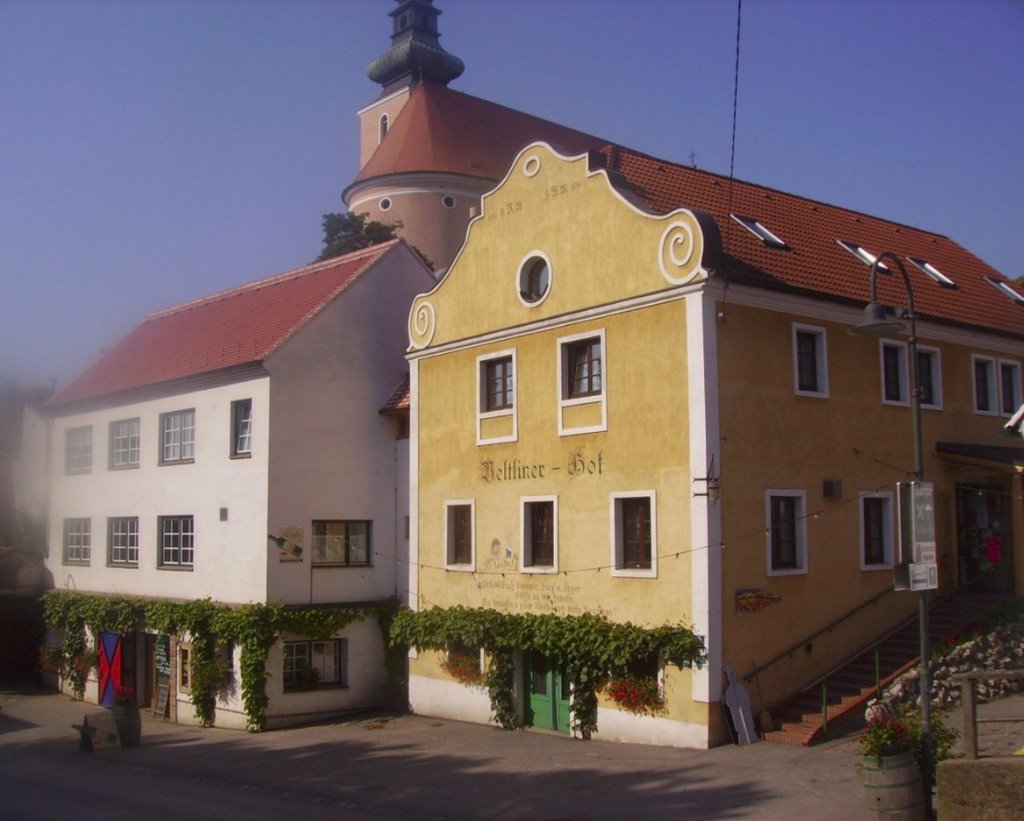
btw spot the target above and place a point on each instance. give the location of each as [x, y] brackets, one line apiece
[876, 323]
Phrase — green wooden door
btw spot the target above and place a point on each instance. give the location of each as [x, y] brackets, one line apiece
[547, 687]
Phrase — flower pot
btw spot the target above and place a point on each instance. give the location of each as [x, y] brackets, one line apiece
[893, 785]
[128, 721]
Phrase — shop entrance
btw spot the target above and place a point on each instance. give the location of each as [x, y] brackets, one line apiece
[547, 688]
[984, 548]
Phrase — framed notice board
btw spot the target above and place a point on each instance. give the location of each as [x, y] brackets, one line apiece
[163, 692]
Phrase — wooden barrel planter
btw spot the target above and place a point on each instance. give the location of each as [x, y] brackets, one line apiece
[893, 785]
[128, 721]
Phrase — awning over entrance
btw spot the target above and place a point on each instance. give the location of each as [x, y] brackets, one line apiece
[998, 457]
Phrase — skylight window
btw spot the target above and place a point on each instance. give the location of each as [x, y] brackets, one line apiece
[862, 254]
[759, 231]
[1016, 296]
[933, 272]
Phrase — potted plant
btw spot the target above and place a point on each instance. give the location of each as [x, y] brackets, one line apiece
[637, 694]
[891, 776]
[127, 718]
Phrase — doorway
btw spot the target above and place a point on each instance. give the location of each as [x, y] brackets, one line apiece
[547, 689]
[984, 547]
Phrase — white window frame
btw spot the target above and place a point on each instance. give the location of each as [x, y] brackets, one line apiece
[315, 657]
[78, 449]
[523, 273]
[482, 413]
[448, 546]
[863, 254]
[821, 359]
[615, 536]
[178, 437]
[1005, 289]
[123, 536]
[888, 532]
[1016, 401]
[185, 668]
[904, 376]
[800, 531]
[125, 439]
[337, 548]
[934, 356]
[241, 429]
[525, 532]
[935, 359]
[933, 272]
[79, 527]
[184, 536]
[564, 400]
[993, 393]
[766, 236]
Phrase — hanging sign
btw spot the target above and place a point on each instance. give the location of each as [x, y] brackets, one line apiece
[916, 566]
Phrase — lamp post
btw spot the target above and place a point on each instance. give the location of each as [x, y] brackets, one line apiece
[877, 323]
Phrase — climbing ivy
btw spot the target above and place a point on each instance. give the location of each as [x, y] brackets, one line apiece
[254, 627]
[590, 648]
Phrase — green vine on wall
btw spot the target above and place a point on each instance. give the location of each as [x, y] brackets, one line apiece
[589, 647]
[254, 627]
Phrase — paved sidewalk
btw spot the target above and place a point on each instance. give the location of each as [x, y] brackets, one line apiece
[438, 768]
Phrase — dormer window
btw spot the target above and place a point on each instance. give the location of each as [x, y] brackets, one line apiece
[862, 254]
[1006, 289]
[759, 231]
[933, 272]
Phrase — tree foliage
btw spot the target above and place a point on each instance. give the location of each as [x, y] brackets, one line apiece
[344, 233]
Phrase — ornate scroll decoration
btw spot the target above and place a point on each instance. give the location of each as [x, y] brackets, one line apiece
[678, 257]
[422, 325]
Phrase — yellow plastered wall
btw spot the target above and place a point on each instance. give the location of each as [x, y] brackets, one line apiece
[772, 438]
[601, 250]
[608, 276]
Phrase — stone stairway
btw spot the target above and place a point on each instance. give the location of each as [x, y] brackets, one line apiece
[849, 688]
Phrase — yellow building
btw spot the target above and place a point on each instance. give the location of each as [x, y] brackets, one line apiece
[616, 411]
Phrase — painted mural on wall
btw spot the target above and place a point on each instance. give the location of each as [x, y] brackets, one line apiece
[536, 595]
[289, 543]
[752, 599]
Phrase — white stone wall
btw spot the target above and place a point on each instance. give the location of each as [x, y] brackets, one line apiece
[230, 556]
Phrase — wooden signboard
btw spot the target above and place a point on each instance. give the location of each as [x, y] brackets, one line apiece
[163, 691]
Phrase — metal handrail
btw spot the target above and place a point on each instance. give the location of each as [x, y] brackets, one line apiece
[828, 628]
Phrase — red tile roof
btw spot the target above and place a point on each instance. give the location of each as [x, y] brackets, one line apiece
[240, 326]
[443, 130]
[813, 262]
[400, 400]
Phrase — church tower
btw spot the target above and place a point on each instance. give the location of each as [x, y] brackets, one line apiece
[428, 153]
[403, 176]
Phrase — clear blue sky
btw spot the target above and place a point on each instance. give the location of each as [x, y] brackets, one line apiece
[155, 151]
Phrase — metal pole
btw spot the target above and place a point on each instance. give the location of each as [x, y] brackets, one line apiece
[915, 407]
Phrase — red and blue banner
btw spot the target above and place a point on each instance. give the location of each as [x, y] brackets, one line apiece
[110, 667]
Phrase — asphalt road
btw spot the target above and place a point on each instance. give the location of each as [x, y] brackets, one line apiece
[404, 766]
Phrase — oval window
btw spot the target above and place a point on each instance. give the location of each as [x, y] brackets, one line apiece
[448, 201]
[384, 204]
[534, 279]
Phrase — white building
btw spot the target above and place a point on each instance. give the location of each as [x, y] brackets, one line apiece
[232, 448]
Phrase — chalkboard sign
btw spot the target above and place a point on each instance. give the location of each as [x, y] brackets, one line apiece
[163, 657]
[162, 694]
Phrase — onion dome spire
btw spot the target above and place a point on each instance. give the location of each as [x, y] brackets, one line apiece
[415, 54]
